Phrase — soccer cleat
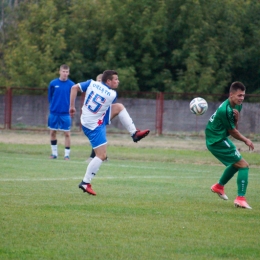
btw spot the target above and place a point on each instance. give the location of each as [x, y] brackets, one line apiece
[240, 202]
[53, 156]
[140, 134]
[66, 158]
[86, 187]
[219, 189]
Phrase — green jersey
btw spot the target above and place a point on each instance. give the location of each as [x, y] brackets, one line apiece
[220, 122]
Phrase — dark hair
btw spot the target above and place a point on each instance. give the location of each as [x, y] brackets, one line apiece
[108, 74]
[235, 86]
[64, 67]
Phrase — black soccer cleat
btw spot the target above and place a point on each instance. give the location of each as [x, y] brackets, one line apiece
[86, 187]
[140, 134]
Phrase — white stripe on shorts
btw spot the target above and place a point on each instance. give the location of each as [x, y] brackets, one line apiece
[226, 143]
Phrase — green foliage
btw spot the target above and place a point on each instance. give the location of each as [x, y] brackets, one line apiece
[31, 57]
[82, 37]
[211, 37]
[166, 45]
[128, 80]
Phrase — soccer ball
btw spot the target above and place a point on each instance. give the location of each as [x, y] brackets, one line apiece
[198, 106]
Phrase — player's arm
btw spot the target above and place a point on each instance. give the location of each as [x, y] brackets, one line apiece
[50, 93]
[73, 94]
[237, 135]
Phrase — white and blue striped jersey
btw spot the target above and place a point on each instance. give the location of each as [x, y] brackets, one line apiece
[97, 102]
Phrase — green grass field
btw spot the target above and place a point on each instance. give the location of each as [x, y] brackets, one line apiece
[151, 203]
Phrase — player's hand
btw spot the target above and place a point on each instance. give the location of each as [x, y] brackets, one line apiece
[249, 143]
[72, 111]
[236, 114]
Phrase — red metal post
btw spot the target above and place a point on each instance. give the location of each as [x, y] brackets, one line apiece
[159, 112]
[8, 109]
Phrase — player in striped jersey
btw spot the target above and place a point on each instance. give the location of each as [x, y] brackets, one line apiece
[97, 111]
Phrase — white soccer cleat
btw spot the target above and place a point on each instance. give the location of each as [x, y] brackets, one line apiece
[240, 202]
[219, 189]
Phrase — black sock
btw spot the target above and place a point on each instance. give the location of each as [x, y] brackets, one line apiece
[93, 154]
[53, 142]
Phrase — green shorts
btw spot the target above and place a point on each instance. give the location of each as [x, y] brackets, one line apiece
[225, 151]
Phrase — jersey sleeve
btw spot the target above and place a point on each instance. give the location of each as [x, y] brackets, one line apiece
[229, 121]
[84, 85]
[114, 101]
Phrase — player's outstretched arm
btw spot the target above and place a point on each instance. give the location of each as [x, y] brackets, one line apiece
[237, 135]
[250, 144]
[73, 94]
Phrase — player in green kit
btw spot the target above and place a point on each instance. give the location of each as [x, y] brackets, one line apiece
[222, 124]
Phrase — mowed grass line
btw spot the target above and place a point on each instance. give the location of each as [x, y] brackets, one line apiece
[151, 209]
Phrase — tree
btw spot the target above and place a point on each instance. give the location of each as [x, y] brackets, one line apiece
[133, 36]
[164, 45]
[246, 61]
[32, 57]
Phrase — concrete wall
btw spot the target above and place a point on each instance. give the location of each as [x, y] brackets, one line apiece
[178, 118]
[32, 112]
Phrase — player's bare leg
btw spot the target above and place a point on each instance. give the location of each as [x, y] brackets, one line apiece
[92, 169]
[67, 145]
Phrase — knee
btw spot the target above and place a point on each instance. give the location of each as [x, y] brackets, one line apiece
[118, 107]
[241, 164]
[53, 135]
[67, 134]
[102, 155]
[121, 106]
[245, 164]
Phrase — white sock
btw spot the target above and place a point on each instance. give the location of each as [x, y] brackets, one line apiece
[67, 152]
[54, 150]
[92, 169]
[127, 121]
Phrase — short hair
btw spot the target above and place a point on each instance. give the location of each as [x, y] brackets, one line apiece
[108, 74]
[235, 86]
[99, 77]
[64, 67]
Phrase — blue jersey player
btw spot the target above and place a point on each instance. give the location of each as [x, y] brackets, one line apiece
[59, 117]
[97, 111]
